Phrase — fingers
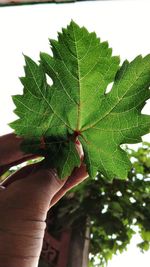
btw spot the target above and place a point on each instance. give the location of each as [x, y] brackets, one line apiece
[31, 191]
[78, 176]
[4, 168]
[20, 174]
[79, 149]
[10, 152]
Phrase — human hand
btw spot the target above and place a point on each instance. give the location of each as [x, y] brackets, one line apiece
[24, 204]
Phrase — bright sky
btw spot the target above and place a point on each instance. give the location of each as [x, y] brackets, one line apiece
[26, 29]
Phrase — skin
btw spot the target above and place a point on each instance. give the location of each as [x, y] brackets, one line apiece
[25, 199]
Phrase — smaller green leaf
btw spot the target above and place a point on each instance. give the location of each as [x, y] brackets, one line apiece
[64, 157]
[59, 154]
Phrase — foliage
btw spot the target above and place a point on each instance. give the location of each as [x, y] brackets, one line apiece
[77, 105]
[115, 209]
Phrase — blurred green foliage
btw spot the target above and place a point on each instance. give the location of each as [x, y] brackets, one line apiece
[116, 209]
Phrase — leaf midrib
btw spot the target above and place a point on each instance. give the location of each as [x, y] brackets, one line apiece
[79, 84]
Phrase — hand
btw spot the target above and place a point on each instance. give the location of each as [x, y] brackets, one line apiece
[24, 203]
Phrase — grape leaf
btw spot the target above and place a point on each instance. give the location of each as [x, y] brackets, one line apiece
[77, 105]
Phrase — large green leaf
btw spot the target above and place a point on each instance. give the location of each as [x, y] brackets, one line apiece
[76, 105]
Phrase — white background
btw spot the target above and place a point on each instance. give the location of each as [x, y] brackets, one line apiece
[25, 29]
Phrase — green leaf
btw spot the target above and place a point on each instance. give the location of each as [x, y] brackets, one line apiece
[145, 235]
[58, 154]
[76, 105]
[144, 246]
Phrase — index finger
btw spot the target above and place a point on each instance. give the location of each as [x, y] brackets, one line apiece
[11, 153]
